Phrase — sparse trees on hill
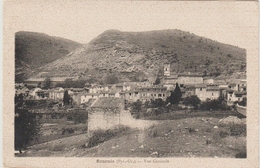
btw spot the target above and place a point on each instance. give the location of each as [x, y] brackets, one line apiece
[69, 83]
[111, 79]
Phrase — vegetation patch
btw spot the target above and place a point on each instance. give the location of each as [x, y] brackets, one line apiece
[100, 136]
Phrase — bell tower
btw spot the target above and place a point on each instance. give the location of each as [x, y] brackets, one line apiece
[167, 69]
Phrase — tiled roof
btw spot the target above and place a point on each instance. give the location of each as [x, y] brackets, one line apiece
[232, 84]
[200, 86]
[107, 102]
[213, 89]
[239, 93]
[189, 75]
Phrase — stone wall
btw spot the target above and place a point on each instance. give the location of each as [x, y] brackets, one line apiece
[103, 118]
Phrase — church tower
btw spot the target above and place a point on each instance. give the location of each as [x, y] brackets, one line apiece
[167, 69]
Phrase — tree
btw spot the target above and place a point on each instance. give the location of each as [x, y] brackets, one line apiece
[157, 103]
[192, 101]
[136, 108]
[243, 102]
[175, 96]
[47, 83]
[157, 81]
[27, 127]
[66, 98]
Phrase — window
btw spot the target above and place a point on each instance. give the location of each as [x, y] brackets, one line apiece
[129, 94]
[163, 95]
[212, 94]
[159, 95]
[238, 99]
[154, 94]
[200, 89]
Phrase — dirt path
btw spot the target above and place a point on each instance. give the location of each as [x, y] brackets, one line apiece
[139, 124]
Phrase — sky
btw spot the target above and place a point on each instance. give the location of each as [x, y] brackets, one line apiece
[232, 23]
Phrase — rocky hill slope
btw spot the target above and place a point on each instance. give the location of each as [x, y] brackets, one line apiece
[141, 55]
[33, 50]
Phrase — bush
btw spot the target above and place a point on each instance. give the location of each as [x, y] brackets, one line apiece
[243, 102]
[224, 134]
[192, 101]
[241, 154]
[77, 117]
[67, 131]
[237, 129]
[100, 136]
[153, 131]
[216, 104]
[136, 109]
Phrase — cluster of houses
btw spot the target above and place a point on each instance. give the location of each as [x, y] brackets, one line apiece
[190, 84]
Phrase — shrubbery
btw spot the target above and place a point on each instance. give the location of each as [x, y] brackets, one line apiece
[77, 117]
[100, 136]
[243, 102]
[154, 107]
[192, 101]
[27, 127]
[216, 104]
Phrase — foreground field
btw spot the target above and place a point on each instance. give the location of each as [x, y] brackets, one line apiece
[187, 137]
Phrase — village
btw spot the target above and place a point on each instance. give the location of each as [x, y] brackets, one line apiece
[84, 111]
[205, 88]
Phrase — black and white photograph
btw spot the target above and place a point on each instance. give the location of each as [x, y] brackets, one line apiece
[131, 82]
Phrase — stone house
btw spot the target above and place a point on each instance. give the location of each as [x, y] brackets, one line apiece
[207, 80]
[189, 79]
[22, 90]
[152, 93]
[205, 92]
[233, 96]
[85, 97]
[56, 94]
[170, 78]
[33, 92]
[131, 95]
[106, 113]
[236, 92]
[42, 94]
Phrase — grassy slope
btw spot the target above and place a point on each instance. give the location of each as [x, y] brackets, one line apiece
[117, 52]
[33, 50]
[170, 138]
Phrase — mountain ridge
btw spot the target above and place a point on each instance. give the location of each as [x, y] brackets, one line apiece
[33, 50]
[139, 56]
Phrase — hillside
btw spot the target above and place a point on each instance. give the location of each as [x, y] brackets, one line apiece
[141, 55]
[33, 50]
[199, 137]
